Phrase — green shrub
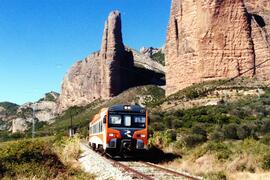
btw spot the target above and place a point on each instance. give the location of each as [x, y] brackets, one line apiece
[7, 136]
[222, 150]
[171, 135]
[192, 94]
[164, 138]
[266, 139]
[230, 131]
[177, 123]
[159, 57]
[194, 139]
[217, 135]
[243, 132]
[199, 130]
[29, 158]
[265, 126]
[158, 126]
[39, 159]
[266, 162]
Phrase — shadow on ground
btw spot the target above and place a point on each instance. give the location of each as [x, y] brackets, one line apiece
[153, 155]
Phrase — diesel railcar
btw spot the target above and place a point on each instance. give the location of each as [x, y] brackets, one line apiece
[119, 130]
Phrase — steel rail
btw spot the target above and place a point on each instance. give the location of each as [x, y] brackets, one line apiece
[171, 171]
[133, 171]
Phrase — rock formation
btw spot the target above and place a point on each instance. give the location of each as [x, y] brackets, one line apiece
[110, 71]
[259, 14]
[17, 118]
[150, 51]
[209, 40]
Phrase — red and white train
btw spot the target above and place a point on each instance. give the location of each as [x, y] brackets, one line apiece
[119, 130]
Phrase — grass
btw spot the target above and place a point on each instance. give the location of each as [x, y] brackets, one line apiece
[247, 117]
[211, 89]
[40, 158]
[230, 137]
[219, 160]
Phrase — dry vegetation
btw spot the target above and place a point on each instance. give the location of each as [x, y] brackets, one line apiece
[41, 158]
[225, 141]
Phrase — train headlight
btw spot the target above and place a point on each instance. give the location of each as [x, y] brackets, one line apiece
[127, 107]
[111, 135]
[114, 135]
[141, 135]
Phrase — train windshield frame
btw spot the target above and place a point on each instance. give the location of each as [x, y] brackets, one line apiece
[127, 120]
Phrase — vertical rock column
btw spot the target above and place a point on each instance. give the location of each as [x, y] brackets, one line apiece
[111, 56]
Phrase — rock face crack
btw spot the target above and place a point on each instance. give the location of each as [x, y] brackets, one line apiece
[216, 40]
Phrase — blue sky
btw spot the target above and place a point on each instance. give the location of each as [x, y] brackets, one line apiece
[41, 39]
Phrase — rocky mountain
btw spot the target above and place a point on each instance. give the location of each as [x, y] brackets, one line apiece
[209, 40]
[150, 51]
[17, 118]
[110, 71]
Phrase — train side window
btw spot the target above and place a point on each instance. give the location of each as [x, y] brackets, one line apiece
[104, 119]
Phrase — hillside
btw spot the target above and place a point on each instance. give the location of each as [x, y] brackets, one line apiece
[216, 133]
[41, 158]
[15, 118]
[145, 95]
[225, 139]
[220, 134]
[153, 97]
[207, 93]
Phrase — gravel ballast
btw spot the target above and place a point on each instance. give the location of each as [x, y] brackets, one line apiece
[93, 163]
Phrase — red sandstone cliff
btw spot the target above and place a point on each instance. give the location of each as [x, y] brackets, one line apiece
[208, 40]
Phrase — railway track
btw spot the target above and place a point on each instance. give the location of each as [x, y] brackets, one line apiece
[149, 171]
[143, 170]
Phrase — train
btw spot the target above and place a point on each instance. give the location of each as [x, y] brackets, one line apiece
[119, 130]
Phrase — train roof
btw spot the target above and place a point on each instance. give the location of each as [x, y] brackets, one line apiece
[119, 107]
[125, 107]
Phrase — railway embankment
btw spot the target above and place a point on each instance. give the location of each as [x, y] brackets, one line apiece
[94, 163]
[108, 168]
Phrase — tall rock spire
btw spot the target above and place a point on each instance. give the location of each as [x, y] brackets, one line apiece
[113, 56]
[108, 72]
[112, 41]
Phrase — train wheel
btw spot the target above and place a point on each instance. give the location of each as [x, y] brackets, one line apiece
[93, 146]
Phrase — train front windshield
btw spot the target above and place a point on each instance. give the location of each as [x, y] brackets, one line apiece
[127, 120]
